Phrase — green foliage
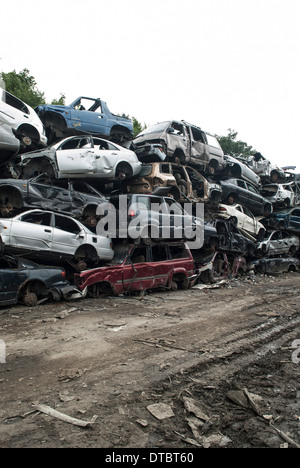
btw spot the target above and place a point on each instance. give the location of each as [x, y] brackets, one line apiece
[234, 147]
[59, 102]
[137, 127]
[23, 86]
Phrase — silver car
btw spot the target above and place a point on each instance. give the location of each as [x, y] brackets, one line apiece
[279, 195]
[279, 243]
[50, 235]
[82, 156]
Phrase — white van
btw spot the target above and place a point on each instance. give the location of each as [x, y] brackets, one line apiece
[20, 126]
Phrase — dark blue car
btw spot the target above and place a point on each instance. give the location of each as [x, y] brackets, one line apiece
[24, 281]
[285, 219]
[84, 116]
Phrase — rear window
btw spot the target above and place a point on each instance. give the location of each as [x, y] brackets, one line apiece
[15, 102]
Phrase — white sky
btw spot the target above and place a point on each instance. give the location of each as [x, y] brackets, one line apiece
[218, 64]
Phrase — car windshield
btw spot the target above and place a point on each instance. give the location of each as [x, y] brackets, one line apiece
[157, 128]
[121, 252]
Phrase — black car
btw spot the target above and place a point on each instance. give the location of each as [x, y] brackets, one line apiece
[273, 266]
[240, 191]
[73, 198]
[231, 240]
[26, 282]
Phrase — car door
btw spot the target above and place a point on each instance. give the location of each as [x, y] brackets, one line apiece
[76, 156]
[287, 241]
[46, 194]
[198, 147]
[175, 218]
[107, 155]
[250, 223]
[66, 235]
[276, 244]
[161, 265]
[138, 272]
[87, 116]
[256, 198]
[294, 222]
[32, 231]
[9, 280]
[243, 193]
[177, 138]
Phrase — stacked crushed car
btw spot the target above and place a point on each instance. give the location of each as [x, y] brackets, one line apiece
[50, 198]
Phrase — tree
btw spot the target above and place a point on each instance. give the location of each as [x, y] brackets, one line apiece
[137, 127]
[59, 102]
[23, 86]
[234, 147]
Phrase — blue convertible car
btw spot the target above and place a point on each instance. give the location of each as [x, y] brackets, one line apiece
[84, 116]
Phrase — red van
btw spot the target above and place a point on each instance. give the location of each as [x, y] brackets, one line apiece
[140, 268]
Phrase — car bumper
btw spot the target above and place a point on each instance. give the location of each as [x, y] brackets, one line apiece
[68, 293]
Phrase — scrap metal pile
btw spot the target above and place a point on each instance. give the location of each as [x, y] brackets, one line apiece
[50, 198]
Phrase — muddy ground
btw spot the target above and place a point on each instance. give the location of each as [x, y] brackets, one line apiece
[220, 360]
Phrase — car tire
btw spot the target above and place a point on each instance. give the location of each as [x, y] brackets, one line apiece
[124, 171]
[29, 299]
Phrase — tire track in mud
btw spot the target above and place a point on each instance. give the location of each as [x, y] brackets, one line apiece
[243, 348]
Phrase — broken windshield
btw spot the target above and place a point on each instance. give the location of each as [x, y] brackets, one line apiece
[157, 128]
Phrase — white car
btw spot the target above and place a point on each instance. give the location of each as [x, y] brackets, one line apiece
[243, 219]
[279, 195]
[279, 243]
[20, 126]
[83, 156]
[51, 235]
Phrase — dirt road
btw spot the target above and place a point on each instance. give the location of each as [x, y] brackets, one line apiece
[221, 361]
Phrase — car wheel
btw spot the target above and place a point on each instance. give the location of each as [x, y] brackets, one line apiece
[124, 171]
[28, 137]
[30, 299]
[293, 251]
